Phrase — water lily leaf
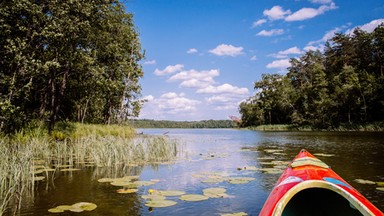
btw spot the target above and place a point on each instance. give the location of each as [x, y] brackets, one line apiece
[193, 197]
[131, 177]
[171, 192]
[86, 206]
[266, 158]
[240, 180]
[128, 190]
[104, 180]
[273, 150]
[362, 181]
[215, 192]
[160, 203]
[380, 188]
[143, 183]
[76, 209]
[380, 184]
[55, 210]
[212, 180]
[64, 207]
[324, 155]
[235, 214]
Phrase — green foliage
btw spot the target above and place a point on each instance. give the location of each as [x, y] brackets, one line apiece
[67, 60]
[344, 86]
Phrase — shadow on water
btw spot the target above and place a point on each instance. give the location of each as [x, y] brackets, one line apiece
[220, 154]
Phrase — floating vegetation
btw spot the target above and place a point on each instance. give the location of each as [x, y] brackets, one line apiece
[77, 207]
[273, 150]
[323, 155]
[193, 197]
[235, 214]
[362, 181]
[106, 180]
[153, 197]
[127, 190]
[215, 192]
[240, 180]
[170, 192]
[249, 168]
[143, 183]
[380, 188]
[160, 203]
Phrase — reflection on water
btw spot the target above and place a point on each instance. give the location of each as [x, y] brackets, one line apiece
[226, 152]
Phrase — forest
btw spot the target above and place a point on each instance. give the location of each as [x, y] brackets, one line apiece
[72, 61]
[149, 123]
[339, 87]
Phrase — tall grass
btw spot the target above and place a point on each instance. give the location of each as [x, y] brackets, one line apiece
[73, 144]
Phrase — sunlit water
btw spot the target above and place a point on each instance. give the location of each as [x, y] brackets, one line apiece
[356, 155]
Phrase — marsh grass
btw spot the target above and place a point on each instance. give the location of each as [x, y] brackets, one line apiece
[72, 145]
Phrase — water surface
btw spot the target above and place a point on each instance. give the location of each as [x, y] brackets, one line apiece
[223, 151]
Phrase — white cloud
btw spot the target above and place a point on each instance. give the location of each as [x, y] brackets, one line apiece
[368, 27]
[282, 64]
[227, 50]
[308, 13]
[225, 88]
[276, 12]
[313, 48]
[258, 23]
[253, 58]
[150, 62]
[321, 1]
[169, 70]
[271, 32]
[292, 50]
[148, 98]
[192, 50]
[195, 79]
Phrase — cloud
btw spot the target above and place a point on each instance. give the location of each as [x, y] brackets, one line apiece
[282, 64]
[321, 1]
[148, 98]
[284, 54]
[195, 79]
[227, 50]
[271, 32]
[308, 13]
[169, 70]
[150, 62]
[276, 13]
[258, 23]
[170, 103]
[225, 88]
[253, 58]
[368, 27]
[192, 50]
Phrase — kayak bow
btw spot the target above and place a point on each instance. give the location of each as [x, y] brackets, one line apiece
[309, 187]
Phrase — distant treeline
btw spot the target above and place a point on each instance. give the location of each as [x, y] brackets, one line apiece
[148, 123]
[344, 85]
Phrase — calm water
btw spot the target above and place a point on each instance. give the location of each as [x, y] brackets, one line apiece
[356, 155]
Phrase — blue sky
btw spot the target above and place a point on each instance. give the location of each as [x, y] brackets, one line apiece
[203, 56]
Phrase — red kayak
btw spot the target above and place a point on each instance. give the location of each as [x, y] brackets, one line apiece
[309, 187]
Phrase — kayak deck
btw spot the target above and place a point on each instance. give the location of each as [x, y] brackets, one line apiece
[309, 187]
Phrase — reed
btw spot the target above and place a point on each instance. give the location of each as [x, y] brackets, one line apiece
[74, 144]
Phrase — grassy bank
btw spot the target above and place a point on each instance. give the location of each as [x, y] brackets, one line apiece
[32, 154]
[346, 127]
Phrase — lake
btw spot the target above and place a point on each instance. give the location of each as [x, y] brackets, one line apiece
[217, 154]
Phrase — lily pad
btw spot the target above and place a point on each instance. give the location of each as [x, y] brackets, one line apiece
[212, 180]
[362, 181]
[104, 180]
[64, 207]
[160, 203]
[55, 210]
[143, 183]
[235, 214]
[86, 206]
[380, 184]
[193, 197]
[323, 155]
[215, 192]
[125, 191]
[240, 180]
[380, 188]
[171, 192]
